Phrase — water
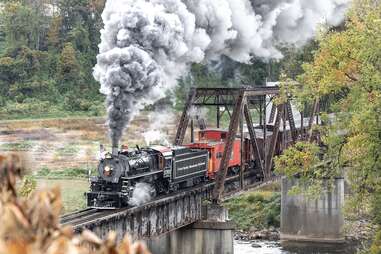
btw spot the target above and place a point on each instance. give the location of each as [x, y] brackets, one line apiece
[270, 247]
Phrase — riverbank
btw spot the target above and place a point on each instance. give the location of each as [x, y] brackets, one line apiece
[257, 218]
[257, 214]
[276, 247]
[358, 234]
[361, 231]
[270, 234]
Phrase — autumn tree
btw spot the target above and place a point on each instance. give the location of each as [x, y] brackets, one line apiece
[347, 69]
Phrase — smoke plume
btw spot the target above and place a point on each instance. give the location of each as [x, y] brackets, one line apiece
[147, 45]
[161, 121]
[143, 193]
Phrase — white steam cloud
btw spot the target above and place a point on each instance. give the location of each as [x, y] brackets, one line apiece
[143, 193]
[146, 45]
[158, 130]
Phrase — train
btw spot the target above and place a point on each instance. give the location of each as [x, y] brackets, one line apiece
[171, 169]
[166, 169]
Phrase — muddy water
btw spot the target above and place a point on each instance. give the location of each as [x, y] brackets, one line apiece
[268, 247]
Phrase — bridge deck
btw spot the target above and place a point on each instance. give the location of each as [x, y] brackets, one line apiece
[155, 218]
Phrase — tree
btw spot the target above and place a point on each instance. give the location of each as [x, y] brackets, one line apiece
[68, 71]
[54, 39]
[347, 68]
[24, 24]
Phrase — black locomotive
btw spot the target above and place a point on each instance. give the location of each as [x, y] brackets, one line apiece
[165, 169]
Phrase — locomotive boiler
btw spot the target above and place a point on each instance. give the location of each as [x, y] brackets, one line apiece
[164, 169]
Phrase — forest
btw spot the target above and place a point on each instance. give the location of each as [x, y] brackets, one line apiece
[47, 52]
[48, 49]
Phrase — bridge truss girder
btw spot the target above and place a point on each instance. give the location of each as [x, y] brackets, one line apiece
[238, 103]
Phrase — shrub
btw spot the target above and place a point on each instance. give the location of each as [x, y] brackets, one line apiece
[256, 209]
[376, 245]
[28, 185]
[62, 173]
[31, 225]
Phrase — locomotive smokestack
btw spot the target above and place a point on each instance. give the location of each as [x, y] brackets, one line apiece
[115, 150]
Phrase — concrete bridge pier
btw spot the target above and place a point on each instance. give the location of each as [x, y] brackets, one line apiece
[212, 235]
[312, 220]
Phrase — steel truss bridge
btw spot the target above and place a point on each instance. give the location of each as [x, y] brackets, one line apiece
[277, 127]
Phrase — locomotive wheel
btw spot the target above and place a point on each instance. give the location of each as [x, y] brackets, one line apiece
[153, 193]
[198, 180]
[162, 187]
[175, 187]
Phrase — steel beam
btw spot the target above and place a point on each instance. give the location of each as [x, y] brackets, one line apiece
[192, 131]
[274, 139]
[272, 114]
[218, 114]
[253, 137]
[234, 122]
[242, 166]
[255, 91]
[201, 123]
[226, 96]
[291, 121]
[264, 128]
[184, 120]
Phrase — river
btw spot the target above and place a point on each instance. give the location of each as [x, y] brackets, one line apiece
[270, 247]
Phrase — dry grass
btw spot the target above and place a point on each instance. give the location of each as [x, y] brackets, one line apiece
[31, 225]
[60, 143]
[66, 143]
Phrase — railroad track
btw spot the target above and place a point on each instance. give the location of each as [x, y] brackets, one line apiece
[85, 215]
[91, 215]
[70, 216]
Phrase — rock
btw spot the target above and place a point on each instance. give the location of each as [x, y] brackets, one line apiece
[254, 236]
[255, 245]
[274, 236]
[359, 230]
[265, 234]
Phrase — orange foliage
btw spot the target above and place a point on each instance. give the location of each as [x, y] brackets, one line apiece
[31, 226]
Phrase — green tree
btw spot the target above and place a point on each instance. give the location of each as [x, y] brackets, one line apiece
[23, 24]
[68, 68]
[54, 39]
[47, 51]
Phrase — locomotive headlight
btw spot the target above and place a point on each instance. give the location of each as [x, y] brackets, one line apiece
[107, 170]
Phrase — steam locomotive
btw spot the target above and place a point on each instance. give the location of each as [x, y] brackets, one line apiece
[166, 169]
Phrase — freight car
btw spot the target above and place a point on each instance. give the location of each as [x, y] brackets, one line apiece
[213, 140]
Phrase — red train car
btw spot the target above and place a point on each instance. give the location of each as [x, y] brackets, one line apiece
[213, 140]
